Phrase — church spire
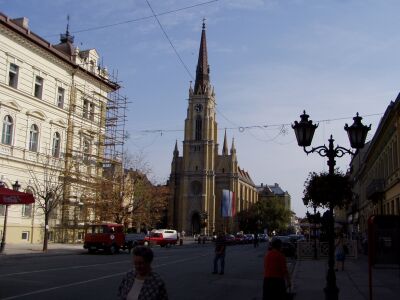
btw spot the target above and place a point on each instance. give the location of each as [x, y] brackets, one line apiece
[225, 148]
[202, 70]
[233, 148]
[176, 151]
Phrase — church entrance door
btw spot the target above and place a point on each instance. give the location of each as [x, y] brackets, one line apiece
[196, 223]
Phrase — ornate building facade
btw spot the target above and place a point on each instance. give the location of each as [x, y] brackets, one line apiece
[208, 188]
[53, 102]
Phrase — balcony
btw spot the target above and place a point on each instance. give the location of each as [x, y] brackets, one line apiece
[375, 189]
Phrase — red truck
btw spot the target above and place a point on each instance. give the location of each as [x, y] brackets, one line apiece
[111, 237]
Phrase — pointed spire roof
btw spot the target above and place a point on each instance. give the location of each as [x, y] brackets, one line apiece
[176, 151]
[233, 148]
[66, 42]
[202, 70]
[225, 148]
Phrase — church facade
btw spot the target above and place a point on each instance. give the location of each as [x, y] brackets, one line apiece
[208, 187]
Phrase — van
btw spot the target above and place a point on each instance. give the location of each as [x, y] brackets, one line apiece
[162, 237]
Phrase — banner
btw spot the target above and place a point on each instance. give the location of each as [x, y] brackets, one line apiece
[228, 208]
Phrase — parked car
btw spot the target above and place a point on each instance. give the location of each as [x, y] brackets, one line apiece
[162, 237]
[230, 239]
[239, 239]
[288, 248]
[294, 238]
[263, 237]
[248, 238]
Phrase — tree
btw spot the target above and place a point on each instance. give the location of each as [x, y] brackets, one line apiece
[324, 190]
[48, 189]
[270, 214]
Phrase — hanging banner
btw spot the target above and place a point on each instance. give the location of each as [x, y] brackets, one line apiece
[228, 207]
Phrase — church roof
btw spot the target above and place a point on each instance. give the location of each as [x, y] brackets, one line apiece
[202, 70]
[244, 176]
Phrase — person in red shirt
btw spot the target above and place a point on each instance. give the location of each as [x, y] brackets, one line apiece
[275, 273]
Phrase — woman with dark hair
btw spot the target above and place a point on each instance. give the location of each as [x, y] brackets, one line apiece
[142, 283]
[275, 273]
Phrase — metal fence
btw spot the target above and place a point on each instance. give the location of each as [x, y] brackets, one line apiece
[305, 250]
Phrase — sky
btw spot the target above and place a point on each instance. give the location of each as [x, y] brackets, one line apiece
[269, 60]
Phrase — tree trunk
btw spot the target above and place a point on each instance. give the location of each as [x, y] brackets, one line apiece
[46, 232]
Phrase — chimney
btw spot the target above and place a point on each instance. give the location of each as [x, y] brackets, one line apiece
[22, 22]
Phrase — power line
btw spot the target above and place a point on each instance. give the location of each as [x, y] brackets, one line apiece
[242, 129]
[170, 42]
[139, 19]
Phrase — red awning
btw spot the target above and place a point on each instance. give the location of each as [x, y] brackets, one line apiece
[8, 196]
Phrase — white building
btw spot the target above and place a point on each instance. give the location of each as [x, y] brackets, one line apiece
[53, 102]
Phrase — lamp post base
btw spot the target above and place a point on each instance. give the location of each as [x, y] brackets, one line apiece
[331, 293]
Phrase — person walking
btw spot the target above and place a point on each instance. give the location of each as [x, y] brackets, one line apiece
[220, 249]
[276, 275]
[256, 240]
[340, 253]
[142, 283]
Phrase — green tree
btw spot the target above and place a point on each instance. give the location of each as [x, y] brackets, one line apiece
[270, 214]
[324, 190]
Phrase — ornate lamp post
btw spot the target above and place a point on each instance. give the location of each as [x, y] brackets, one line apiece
[15, 187]
[357, 133]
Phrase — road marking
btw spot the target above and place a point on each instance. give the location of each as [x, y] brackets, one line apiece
[61, 269]
[94, 279]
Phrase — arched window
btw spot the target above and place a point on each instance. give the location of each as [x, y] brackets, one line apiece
[56, 145]
[6, 137]
[33, 138]
[198, 129]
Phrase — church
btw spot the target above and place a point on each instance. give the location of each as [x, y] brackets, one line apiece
[208, 188]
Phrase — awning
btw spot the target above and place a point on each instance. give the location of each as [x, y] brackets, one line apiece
[8, 196]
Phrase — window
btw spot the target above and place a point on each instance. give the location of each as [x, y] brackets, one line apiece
[88, 110]
[25, 235]
[2, 210]
[6, 137]
[33, 138]
[38, 87]
[13, 76]
[56, 145]
[27, 210]
[86, 150]
[60, 97]
[198, 129]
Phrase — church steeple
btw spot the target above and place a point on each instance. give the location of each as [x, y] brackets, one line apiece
[176, 151]
[225, 147]
[233, 148]
[202, 70]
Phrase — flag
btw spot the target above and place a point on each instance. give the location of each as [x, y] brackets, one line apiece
[228, 207]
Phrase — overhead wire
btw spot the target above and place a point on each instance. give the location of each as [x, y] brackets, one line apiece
[170, 42]
[138, 19]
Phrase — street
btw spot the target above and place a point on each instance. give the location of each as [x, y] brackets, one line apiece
[186, 271]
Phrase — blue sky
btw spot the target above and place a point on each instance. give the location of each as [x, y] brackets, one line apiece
[268, 59]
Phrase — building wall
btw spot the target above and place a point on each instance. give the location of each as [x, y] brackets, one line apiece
[17, 162]
[376, 173]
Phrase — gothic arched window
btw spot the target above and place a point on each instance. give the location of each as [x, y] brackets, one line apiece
[198, 129]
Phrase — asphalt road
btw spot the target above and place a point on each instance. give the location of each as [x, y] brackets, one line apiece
[185, 269]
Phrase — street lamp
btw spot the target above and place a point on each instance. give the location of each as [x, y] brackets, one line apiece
[357, 133]
[15, 187]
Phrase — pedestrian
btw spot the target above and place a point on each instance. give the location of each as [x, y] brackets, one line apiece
[276, 275]
[142, 283]
[340, 253]
[220, 249]
[256, 240]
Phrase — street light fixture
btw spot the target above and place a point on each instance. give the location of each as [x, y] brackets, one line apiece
[357, 133]
[15, 187]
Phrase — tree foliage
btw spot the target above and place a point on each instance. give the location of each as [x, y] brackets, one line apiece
[324, 190]
[270, 214]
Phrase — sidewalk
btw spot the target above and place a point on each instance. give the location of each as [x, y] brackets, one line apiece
[309, 280]
[36, 249]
